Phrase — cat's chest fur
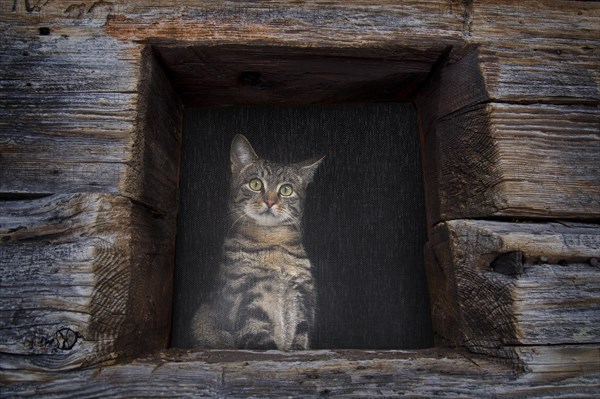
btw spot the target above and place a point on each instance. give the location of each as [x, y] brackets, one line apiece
[278, 251]
[275, 259]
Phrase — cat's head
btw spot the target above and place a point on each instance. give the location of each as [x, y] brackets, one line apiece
[267, 193]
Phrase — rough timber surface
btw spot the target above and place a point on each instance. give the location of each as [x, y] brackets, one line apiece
[532, 51]
[497, 159]
[423, 374]
[86, 278]
[63, 127]
[267, 75]
[86, 113]
[89, 66]
[521, 160]
[523, 291]
[71, 78]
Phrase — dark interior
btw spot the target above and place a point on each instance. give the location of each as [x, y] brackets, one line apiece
[364, 226]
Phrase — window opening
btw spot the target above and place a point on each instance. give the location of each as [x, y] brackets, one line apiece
[364, 218]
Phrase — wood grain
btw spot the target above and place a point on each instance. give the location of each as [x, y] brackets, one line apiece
[434, 373]
[86, 278]
[55, 90]
[548, 156]
[513, 160]
[550, 297]
[86, 114]
[307, 24]
[530, 51]
[156, 141]
[559, 71]
[267, 75]
[533, 52]
[513, 135]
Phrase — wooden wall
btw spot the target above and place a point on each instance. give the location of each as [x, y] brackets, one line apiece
[90, 121]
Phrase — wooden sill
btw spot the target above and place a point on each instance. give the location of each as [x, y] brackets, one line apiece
[218, 373]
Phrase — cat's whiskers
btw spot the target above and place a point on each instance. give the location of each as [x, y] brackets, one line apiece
[239, 219]
[295, 221]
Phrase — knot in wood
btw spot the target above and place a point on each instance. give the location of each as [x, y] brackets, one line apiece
[65, 338]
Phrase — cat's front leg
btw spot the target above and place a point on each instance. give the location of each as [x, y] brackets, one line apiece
[301, 339]
[301, 315]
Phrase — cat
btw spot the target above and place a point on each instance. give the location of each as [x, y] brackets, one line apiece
[265, 295]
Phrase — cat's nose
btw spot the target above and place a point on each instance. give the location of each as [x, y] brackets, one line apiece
[270, 199]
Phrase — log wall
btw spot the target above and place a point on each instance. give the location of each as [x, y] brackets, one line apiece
[85, 280]
[527, 292]
[90, 121]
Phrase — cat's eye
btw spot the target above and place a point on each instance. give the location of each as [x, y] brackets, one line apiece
[255, 185]
[286, 190]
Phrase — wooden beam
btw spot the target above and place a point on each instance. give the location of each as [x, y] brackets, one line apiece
[559, 71]
[551, 362]
[531, 52]
[435, 373]
[512, 160]
[87, 279]
[288, 23]
[520, 160]
[87, 116]
[500, 288]
[538, 53]
[65, 115]
[266, 75]
[155, 144]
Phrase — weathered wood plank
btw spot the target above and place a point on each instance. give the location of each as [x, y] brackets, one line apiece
[89, 114]
[310, 374]
[553, 19]
[57, 63]
[156, 141]
[258, 75]
[553, 361]
[530, 51]
[513, 160]
[66, 113]
[542, 70]
[286, 22]
[500, 286]
[548, 157]
[451, 87]
[86, 278]
[63, 143]
[538, 52]
[82, 114]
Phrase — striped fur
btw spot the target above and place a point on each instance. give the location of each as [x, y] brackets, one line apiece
[264, 296]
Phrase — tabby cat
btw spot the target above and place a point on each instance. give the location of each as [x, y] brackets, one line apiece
[264, 296]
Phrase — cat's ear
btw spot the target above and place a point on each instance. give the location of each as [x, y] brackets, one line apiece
[242, 153]
[309, 167]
